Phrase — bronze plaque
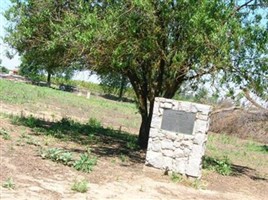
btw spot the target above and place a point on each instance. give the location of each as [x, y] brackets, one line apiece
[178, 121]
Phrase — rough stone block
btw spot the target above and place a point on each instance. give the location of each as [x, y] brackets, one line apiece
[167, 144]
[193, 167]
[179, 137]
[177, 144]
[167, 105]
[156, 122]
[156, 146]
[179, 153]
[200, 138]
[200, 126]
[171, 135]
[205, 109]
[154, 133]
[201, 116]
[168, 153]
[187, 143]
[155, 159]
[179, 165]
[167, 163]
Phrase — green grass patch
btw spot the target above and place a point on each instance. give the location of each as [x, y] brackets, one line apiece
[252, 146]
[224, 152]
[80, 186]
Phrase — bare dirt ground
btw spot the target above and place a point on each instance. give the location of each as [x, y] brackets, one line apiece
[112, 178]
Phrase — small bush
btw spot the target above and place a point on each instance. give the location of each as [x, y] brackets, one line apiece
[222, 166]
[80, 186]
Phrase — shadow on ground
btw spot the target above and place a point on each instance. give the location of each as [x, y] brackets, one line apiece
[224, 167]
[239, 170]
[104, 142]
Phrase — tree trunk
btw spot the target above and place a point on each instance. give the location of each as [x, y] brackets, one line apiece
[146, 119]
[122, 87]
[48, 79]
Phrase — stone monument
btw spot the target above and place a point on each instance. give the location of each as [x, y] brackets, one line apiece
[178, 136]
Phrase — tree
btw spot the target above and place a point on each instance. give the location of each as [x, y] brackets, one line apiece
[159, 45]
[114, 83]
[33, 35]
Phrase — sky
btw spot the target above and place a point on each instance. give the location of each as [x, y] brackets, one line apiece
[8, 63]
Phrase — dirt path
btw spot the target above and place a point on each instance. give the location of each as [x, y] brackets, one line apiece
[35, 178]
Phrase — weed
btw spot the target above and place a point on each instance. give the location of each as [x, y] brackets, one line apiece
[5, 134]
[132, 144]
[49, 140]
[80, 186]
[93, 122]
[199, 184]
[222, 166]
[123, 158]
[141, 189]
[58, 155]
[9, 184]
[85, 163]
[176, 178]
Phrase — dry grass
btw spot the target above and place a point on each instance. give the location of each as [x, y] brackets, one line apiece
[241, 123]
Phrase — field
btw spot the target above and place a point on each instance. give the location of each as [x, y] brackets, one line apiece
[57, 145]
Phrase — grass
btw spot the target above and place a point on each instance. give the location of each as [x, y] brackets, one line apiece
[224, 152]
[68, 129]
[195, 183]
[42, 99]
[80, 186]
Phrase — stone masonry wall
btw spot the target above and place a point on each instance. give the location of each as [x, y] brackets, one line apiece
[173, 151]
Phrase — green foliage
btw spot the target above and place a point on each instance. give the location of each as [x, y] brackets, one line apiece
[114, 83]
[252, 146]
[123, 158]
[176, 178]
[222, 166]
[4, 70]
[94, 123]
[5, 135]
[80, 186]
[85, 163]
[9, 184]
[58, 155]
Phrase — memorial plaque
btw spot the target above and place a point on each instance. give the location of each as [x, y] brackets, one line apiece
[178, 121]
